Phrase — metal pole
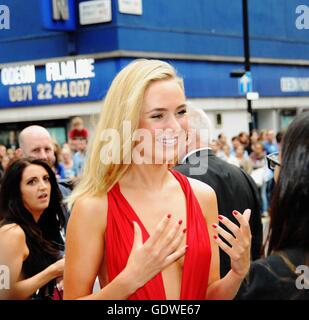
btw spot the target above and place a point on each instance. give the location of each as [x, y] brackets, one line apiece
[247, 56]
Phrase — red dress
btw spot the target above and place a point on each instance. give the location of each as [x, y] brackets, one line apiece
[119, 237]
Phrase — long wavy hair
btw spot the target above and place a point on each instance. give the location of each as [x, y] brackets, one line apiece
[289, 226]
[123, 102]
[43, 238]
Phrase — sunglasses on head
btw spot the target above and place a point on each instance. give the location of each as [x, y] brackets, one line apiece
[273, 160]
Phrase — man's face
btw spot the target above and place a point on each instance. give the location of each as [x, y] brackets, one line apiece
[40, 148]
[243, 139]
[2, 151]
[80, 144]
[235, 143]
[223, 139]
[259, 149]
[270, 136]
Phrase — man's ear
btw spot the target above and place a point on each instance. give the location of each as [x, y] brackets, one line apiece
[19, 153]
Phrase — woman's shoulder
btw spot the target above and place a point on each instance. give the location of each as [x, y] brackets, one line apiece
[12, 230]
[12, 236]
[207, 199]
[90, 209]
[202, 190]
[92, 201]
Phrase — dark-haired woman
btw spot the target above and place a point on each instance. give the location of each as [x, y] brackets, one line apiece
[31, 220]
[284, 274]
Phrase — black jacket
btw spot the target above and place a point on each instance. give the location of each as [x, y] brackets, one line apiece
[235, 190]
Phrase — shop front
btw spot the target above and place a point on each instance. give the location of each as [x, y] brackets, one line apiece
[50, 93]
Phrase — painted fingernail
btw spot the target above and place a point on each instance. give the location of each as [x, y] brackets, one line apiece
[169, 215]
[234, 213]
[220, 217]
[215, 226]
[184, 230]
[215, 237]
[180, 222]
[187, 247]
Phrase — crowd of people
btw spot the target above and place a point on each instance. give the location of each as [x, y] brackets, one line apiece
[141, 228]
[67, 160]
[245, 151]
[248, 152]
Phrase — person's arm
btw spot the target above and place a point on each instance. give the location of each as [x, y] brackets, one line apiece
[14, 251]
[26, 288]
[85, 250]
[239, 252]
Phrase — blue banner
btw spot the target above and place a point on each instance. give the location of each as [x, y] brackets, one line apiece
[55, 82]
[86, 79]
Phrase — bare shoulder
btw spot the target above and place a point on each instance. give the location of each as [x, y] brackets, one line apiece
[12, 232]
[12, 236]
[206, 197]
[202, 191]
[90, 211]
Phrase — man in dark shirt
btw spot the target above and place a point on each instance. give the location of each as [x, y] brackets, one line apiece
[234, 188]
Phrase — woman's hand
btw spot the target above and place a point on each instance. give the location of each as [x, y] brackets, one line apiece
[239, 240]
[57, 268]
[161, 249]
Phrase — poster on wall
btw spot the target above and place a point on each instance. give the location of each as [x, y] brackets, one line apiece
[130, 7]
[96, 11]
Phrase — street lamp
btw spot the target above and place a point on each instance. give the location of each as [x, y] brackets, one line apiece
[247, 56]
[247, 63]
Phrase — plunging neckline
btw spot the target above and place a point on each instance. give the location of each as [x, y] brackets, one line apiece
[117, 187]
[119, 237]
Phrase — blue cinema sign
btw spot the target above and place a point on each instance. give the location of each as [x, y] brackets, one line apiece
[59, 14]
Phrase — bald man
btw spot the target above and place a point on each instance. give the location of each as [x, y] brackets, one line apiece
[36, 142]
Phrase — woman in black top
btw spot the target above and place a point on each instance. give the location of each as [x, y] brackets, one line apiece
[284, 274]
[31, 219]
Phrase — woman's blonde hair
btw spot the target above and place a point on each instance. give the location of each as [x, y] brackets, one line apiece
[123, 102]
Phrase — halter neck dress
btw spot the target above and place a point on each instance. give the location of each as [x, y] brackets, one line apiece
[119, 237]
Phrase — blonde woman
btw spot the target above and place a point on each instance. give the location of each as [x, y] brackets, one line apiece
[146, 231]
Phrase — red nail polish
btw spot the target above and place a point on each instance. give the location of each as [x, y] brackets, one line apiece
[180, 222]
[169, 215]
[214, 226]
[234, 213]
[215, 237]
[220, 217]
[184, 230]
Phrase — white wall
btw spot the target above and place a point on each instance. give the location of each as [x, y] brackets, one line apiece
[268, 119]
[233, 122]
[90, 122]
[233, 115]
[233, 111]
[54, 111]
